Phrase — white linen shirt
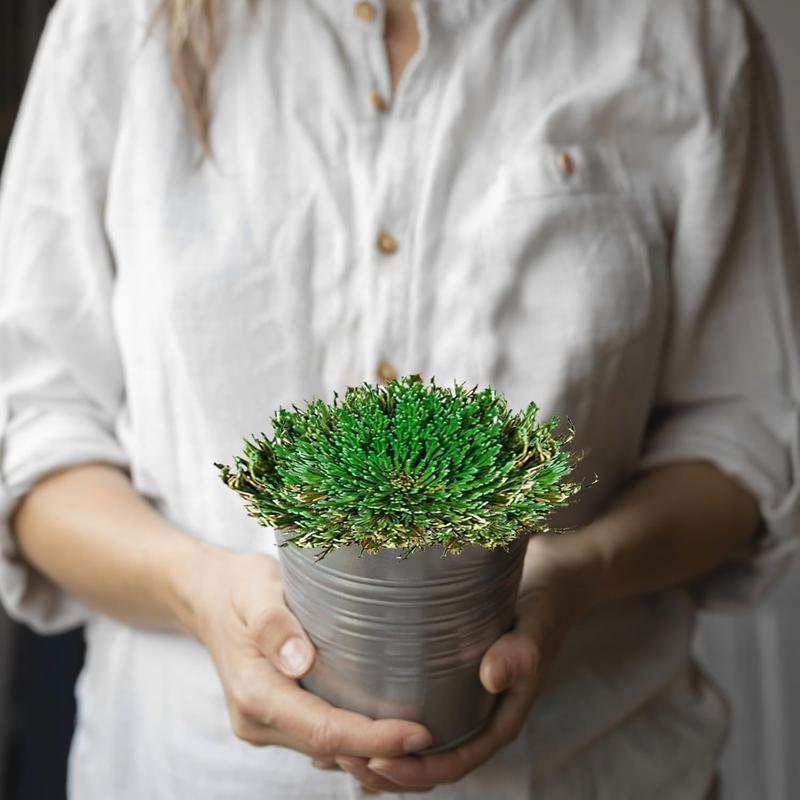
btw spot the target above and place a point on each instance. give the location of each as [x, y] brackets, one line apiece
[591, 207]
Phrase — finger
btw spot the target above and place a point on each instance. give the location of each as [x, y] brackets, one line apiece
[325, 763]
[269, 699]
[519, 653]
[513, 657]
[451, 766]
[270, 626]
[357, 767]
[258, 735]
[420, 771]
[331, 731]
[280, 638]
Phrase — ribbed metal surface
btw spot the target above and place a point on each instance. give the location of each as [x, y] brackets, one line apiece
[404, 638]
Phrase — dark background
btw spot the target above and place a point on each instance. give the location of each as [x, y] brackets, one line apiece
[39, 672]
[21, 22]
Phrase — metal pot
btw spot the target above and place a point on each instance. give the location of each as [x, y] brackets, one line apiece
[403, 637]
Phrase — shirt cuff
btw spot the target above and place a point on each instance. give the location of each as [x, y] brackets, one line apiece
[751, 455]
[45, 443]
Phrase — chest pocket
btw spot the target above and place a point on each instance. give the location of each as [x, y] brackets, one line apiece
[567, 255]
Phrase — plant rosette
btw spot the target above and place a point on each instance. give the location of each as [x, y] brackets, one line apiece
[402, 513]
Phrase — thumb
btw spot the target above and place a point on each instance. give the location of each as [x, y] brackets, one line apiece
[519, 653]
[280, 638]
[513, 657]
[542, 620]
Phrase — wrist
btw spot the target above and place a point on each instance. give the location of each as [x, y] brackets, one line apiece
[574, 562]
[196, 571]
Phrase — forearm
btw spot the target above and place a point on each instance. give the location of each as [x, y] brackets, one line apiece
[89, 531]
[670, 525]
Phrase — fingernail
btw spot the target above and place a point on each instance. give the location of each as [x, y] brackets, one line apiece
[346, 764]
[379, 765]
[417, 741]
[294, 655]
[499, 674]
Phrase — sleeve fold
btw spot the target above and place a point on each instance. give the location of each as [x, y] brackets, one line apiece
[61, 386]
[729, 390]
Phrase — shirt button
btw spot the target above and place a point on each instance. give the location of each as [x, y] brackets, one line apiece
[378, 101]
[386, 371]
[566, 164]
[365, 11]
[387, 244]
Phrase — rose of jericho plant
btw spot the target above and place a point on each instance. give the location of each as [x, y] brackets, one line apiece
[406, 465]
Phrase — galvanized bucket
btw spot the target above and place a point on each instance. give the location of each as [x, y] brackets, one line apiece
[403, 638]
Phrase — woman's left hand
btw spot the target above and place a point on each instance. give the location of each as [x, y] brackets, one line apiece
[553, 594]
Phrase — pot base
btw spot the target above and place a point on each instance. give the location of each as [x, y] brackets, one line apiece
[442, 748]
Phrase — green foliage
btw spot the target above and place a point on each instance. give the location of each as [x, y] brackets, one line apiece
[405, 465]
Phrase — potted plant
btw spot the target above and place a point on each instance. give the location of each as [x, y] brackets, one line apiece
[402, 513]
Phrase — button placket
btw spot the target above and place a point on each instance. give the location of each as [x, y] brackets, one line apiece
[386, 371]
[386, 243]
[365, 11]
[387, 297]
[566, 163]
[371, 23]
[378, 101]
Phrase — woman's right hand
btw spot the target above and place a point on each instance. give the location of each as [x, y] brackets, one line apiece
[260, 650]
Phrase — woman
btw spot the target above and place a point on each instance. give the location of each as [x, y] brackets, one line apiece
[219, 210]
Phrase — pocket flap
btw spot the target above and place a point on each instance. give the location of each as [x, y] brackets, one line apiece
[547, 169]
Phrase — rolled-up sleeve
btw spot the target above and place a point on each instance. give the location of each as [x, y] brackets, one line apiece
[729, 391]
[61, 384]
